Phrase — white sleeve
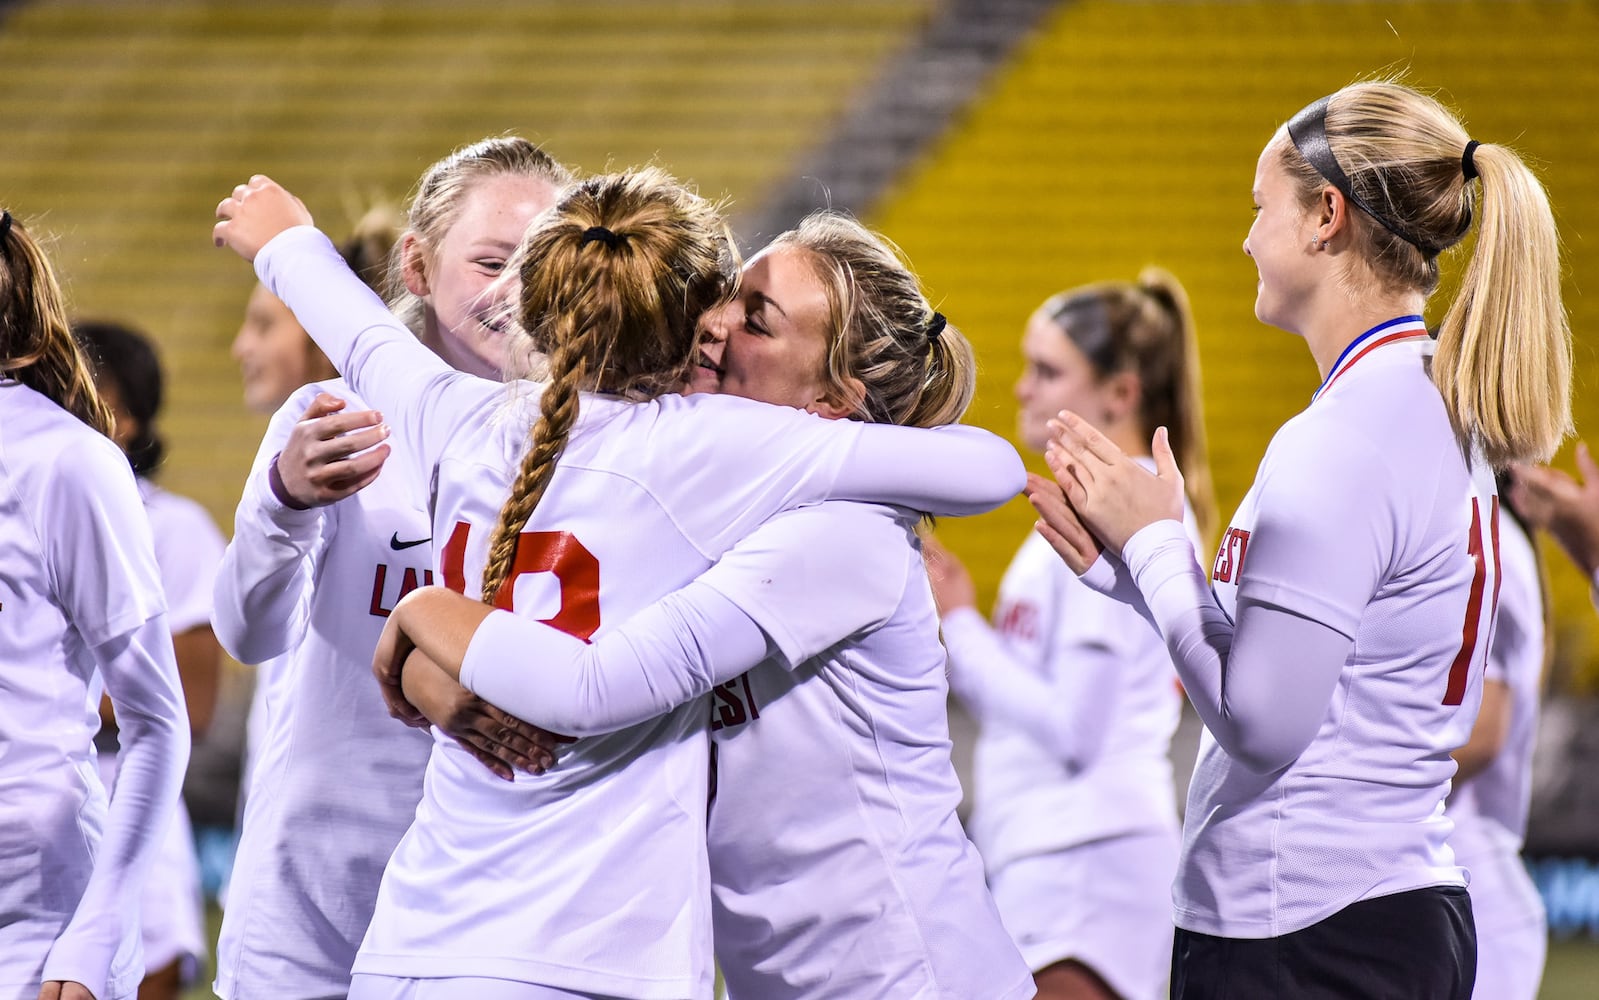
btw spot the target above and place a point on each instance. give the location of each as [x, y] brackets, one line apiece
[803, 582]
[262, 598]
[141, 676]
[1261, 687]
[669, 653]
[102, 564]
[813, 577]
[952, 471]
[423, 400]
[1066, 712]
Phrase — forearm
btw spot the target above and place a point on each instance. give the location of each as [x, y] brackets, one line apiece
[1066, 713]
[261, 601]
[1262, 705]
[951, 471]
[666, 655]
[141, 677]
[421, 397]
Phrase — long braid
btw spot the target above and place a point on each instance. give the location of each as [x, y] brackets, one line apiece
[612, 288]
[569, 371]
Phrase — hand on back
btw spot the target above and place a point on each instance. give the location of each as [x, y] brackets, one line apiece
[332, 453]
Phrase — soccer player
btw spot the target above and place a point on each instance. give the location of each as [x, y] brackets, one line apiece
[1336, 656]
[817, 638]
[590, 879]
[81, 603]
[1073, 806]
[325, 542]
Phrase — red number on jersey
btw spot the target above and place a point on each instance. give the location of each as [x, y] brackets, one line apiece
[1455, 692]
[557, 552]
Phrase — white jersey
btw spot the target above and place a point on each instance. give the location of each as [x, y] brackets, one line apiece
[838, 866]
[1076, 700]
[591, 877]
[80, 601]
[335, 780]
[1406, 565]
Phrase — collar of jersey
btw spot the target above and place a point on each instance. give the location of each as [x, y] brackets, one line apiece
[1391, 332]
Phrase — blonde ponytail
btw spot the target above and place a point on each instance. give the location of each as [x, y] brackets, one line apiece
[1503, 363]
[614, 283]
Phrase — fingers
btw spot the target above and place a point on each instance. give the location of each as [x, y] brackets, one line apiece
[488, 760]
[1068, 474]
[1587, 466]
[326, 403]
[1060, 526]
[1092, 441]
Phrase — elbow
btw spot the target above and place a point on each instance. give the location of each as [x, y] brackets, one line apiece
[248, 646]
[1263, 754]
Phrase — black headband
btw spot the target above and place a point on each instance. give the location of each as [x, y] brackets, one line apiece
[1308, 130]
[599, 234]
[935, 326]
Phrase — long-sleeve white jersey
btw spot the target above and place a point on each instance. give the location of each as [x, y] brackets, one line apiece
[1076, 701]
[838, 867]
[334, 780]
[80, 601]
[593, 876]
[1367, 524]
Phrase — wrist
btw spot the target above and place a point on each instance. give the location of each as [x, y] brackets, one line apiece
[280, 490]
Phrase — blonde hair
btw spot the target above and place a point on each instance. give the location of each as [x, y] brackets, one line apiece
[613, 286]
[890, 357]
[1147, 328]
[442, 192]
[1503, 362]
[37, 348]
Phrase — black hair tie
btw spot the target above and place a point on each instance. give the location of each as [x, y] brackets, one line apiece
[599, 234]
[1468, 164]
[935, 326]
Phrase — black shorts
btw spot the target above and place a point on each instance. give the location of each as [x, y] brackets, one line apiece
[1417, 945]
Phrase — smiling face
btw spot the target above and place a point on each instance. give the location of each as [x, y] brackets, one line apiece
[1279, 241]
[1056, 375]
[770, 342]
[274, 353]
[467, 311]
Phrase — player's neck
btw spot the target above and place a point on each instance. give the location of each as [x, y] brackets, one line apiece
[1333, 330]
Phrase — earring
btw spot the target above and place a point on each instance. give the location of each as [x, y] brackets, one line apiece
[1323, 244]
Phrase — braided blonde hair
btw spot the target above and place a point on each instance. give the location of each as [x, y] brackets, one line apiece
[613, 287]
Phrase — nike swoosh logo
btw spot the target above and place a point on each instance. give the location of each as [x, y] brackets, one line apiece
[397, 545]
